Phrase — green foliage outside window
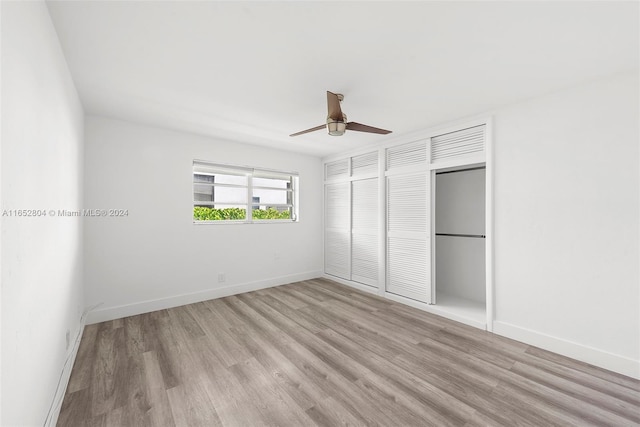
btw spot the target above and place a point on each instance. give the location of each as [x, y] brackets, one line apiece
[270, 214]
[201, 213]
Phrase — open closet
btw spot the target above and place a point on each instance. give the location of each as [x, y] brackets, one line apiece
[460, 241]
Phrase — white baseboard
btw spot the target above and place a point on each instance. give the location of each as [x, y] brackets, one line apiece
[612, 362]
[56, 405]
[118, 312]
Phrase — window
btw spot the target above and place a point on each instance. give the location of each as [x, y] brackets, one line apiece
[240, 194]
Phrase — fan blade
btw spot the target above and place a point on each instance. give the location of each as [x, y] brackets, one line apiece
[309, 130]
[333, 106]
[364, 128]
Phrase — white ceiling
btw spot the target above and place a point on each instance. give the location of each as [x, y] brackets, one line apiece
[257, 72]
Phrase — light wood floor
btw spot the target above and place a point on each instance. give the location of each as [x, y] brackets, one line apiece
[319, 353]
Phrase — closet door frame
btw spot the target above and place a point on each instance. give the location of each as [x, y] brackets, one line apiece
[485, 159]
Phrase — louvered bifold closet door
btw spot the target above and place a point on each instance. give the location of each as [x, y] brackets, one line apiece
[337, 169]
[337, 249]
[408, 223]
[364, 231]
[365, 164]
[462, 143]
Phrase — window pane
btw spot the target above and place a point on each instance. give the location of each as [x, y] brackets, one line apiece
[271, 182]
[212, 193]
[265, 198]
[230, 195]
[203, 193]
[220, 178]
[230, 179]
[197, 177]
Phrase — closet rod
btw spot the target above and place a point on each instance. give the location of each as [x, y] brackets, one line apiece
[462, 170]
[479, 236]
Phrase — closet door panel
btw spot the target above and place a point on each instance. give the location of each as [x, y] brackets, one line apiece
[408, 243]
[337, 239]
[365, 259]
[408, 265]
[364, 230]
[407, 207]
[336, 254]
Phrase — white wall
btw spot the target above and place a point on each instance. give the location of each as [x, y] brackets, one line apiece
[566, 222]
[42, 143]
[156, 257]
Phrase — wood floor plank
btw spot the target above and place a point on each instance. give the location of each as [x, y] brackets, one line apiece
[579, 376]
[492, 353]
[230, 400]
[591, 370]
[306, 295]
[579, 391]
[401, 387]
[367, 300]
[315, 371]
[160, 411]
[82, 368]
[317, 353]
[468, 363]
[346, 366]
[344, 296]
[276, 405]
[329, 413]
[108, 378]
[190, 406]
[133, 334]
[287, 298]
[181, 317]
[76, 407]
[406, 335]
[228, 350]
[354, 340]
[291, 379]
[318, 371]
[305, 321]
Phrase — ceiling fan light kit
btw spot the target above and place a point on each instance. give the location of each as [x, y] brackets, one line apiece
[337, 120]
[336, 128]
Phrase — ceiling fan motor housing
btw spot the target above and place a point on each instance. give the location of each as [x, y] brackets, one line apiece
[336, 127]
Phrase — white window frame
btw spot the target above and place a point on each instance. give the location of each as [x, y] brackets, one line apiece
[248, 204]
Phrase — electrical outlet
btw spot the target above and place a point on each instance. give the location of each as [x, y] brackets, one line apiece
[67, 337]
[222, 277]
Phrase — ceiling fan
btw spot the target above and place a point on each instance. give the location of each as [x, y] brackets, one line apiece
[337, 120]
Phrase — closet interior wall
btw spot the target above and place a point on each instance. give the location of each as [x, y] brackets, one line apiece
[460, 235]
